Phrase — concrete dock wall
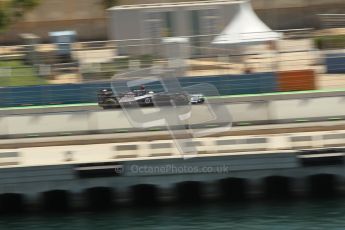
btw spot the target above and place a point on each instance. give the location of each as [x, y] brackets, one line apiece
[272, 175]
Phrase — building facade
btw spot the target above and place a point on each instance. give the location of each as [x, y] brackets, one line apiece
[89, 17]
[141, 28]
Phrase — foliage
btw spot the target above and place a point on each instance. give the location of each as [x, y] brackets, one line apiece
[330, 42]
[110, 3]
[4, 18]
[12, 10]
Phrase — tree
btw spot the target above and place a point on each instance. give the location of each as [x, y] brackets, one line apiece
[12, 10]
[4, 18]
[110, 3]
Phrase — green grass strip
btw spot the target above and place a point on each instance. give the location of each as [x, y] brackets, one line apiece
[334, 118]
[122, 131]
[48, 106]
[213, 97]
[244, 123]
[32, 135]
[154, 129]
[281, 93]
[301, 120]
[65, 134]
[212, 125]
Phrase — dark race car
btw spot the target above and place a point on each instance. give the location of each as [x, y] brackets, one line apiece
[107, 100]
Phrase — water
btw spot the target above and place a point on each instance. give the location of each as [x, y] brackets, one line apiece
[294, 215]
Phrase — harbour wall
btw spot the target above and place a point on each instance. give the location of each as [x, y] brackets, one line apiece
[278, 175]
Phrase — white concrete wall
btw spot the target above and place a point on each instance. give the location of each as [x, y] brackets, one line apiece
[47, 123]
[98, 121]
[308, 108]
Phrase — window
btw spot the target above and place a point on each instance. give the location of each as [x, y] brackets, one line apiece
[126, 147]
[334, 136]
[300, 138]
[169, 26]
[153, 25]
[160, 145]
[209, 21]
[256, 140]
[192, 143]
[226, 142]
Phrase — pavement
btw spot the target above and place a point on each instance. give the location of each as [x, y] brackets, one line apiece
[165, 135]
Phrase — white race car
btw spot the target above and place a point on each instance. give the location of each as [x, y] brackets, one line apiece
[106, 98]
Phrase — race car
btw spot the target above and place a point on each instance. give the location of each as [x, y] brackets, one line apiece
[107, 99]
[197, 99]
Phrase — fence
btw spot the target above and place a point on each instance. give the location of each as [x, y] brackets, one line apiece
[254, 83]
[87, 92]
[332, 20]
[99, 60]
[58, 79]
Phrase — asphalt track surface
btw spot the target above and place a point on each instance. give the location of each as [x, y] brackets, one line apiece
[220, 99]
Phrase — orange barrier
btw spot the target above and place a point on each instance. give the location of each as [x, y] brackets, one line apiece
[296, 80]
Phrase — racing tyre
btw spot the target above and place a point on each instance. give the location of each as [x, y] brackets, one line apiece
[112, 103]
[148, 101]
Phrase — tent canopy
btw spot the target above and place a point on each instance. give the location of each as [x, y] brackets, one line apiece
[246, 27]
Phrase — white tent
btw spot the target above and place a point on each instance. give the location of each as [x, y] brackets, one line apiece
[246, 27]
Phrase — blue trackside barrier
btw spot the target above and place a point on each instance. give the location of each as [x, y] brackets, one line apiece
[230, 84]
[28, 95]
[237, 84]
[335, 63]
[87, 92]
